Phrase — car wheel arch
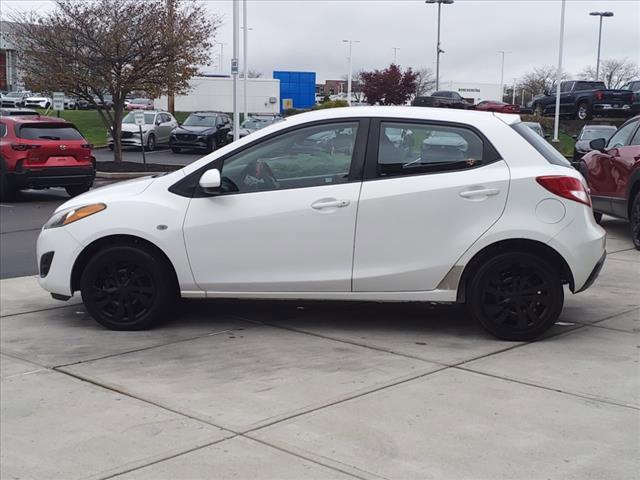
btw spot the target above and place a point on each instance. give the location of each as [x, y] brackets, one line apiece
[115, 240]
[513, 245]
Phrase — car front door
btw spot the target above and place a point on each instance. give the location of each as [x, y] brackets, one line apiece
[622, 160]
[430, 191]
[285, 218]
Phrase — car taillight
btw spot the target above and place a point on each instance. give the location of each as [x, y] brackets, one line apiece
[21, 147]
[599, 95]
[566, 187]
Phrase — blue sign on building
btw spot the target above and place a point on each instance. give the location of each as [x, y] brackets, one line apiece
[300, 87]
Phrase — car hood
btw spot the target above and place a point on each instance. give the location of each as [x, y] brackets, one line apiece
[183, 129]
[119, 191]
[132, 127]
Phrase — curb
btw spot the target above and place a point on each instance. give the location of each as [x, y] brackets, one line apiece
[125, 175]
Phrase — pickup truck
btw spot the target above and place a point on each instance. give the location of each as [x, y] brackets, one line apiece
[584, 100]
[444, 99]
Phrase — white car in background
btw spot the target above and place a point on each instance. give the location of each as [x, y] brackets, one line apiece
[155, 131]
[38, 101]
[328, 205]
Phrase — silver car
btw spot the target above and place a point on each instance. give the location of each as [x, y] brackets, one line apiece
[155, 131]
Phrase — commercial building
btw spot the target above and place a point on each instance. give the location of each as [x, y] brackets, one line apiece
[216, 93]
[474, 92]
[10, 75]
[297, 89]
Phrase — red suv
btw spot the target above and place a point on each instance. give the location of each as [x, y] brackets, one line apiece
[41, 152]
[612, 170]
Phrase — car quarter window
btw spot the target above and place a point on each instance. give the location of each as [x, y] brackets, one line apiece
[411, 148]
[621, 137]
[306, 157]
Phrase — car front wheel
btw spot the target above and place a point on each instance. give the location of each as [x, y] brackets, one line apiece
[127, 288]
[516, 296]
[151, 142]
[75, 190]
[583, 112]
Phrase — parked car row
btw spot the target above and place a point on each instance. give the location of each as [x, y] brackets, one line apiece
[41, 152]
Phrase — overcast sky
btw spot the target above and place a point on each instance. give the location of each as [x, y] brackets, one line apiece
[307, 34]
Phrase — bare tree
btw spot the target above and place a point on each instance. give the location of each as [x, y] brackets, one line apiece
[115, 47]
[540, 79]
[426, 82]
[613, 72]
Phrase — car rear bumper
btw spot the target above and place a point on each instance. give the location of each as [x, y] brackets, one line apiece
[607, 108]
[52, 177]
[594, 274]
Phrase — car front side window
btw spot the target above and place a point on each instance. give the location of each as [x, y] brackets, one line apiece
[413, 148]
[307, 157]
[621, 137]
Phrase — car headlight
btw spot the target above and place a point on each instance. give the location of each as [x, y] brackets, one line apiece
[70, 215]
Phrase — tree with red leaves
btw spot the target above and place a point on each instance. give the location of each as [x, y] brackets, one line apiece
[389, 86]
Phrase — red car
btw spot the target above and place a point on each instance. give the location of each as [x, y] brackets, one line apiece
[495, 106]
[140, 104]
[42, 152]
[612, 170]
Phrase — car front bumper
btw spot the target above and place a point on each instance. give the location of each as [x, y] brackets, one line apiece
[196, 143]
[64, 248]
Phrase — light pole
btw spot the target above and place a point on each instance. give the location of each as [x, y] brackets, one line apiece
[514, 91]
[438, 49]
[220, 65]
[395, 54]
[600, 14]
[502, 74]
[556, 123]
[234, 67]
[350, 42]
[244, 54]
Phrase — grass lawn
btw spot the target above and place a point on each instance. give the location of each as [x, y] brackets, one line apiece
[88, 122]
[566, 144]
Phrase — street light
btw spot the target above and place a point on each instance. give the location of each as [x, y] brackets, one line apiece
[234, 68]
[556, 121]
[245, 30]
[350, 42]
[438, 49]
[395, 54]
[502, 73]
[600, 14]
[220, 65]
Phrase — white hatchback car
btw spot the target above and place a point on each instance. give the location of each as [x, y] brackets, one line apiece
[389, 204]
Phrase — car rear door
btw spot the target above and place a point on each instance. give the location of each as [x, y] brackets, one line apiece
[429, 193]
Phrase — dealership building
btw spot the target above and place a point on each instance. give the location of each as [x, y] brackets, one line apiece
[474, 92]
[10, 75]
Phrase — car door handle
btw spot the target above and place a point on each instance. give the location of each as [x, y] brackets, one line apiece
[483, 192]
[329, 203]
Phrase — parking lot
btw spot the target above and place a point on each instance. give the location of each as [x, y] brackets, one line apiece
[239, 389]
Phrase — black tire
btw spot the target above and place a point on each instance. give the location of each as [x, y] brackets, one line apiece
[75, 190]
[127, 288]
[516, 296]
[111, 147]
[598, 217]
[634, 221]
[211, 145]
[7, 191]
[176, 149]
[151, 143]
[583, 112]
[537, 110]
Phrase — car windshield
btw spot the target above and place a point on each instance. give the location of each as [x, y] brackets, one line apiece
[543, 147]
[131, 118]
[194, 120]
[593, 133]
[256, 123]
[14, 94]
[54, 131]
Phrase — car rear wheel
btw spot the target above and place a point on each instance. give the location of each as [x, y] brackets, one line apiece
[7, 191]
[516, 296]
[75, 190]
[127, 288]
[583, 112]
[634, 221]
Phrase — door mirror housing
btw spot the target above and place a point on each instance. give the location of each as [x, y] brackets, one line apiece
[598, 144]
[210, 181]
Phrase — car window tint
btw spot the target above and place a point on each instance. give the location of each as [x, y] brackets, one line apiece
[49, 132]
[636, 138]
[543, 147]
[307, 157]
[410, 148]
[621, 137]
[3, 129]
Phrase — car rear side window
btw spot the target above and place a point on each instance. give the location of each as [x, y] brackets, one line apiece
[541, 145]
[45, 131]
[415, 148]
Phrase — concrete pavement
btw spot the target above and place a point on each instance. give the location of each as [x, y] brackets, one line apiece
[289, 390]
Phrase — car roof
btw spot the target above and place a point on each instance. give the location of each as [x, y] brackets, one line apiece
[34, 119]
[606, 127]
[206, 113]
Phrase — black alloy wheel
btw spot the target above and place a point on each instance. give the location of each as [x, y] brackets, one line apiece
[634, 221]
[126, 288]
[516, 296]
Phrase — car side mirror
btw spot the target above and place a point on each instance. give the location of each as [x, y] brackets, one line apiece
[575, 137]
[210, 181]
[158, 122]
[598, 144]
